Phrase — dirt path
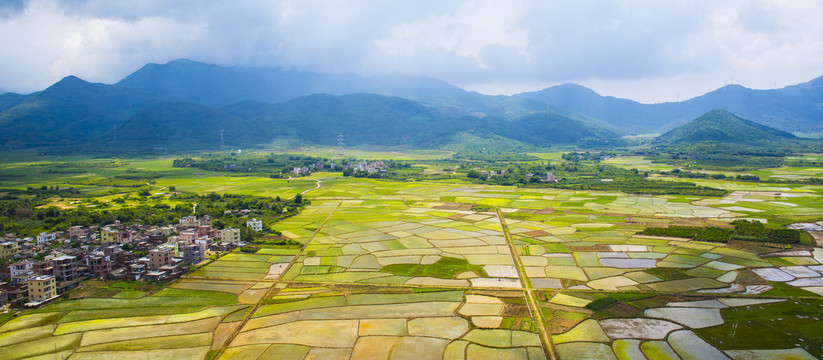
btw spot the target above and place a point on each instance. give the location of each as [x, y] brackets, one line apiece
[534, 306]
[315, 188]
[312, 189]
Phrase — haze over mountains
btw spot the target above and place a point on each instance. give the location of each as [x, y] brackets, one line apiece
[185, 104]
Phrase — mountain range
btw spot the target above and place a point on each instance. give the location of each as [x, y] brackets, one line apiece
[187, 104]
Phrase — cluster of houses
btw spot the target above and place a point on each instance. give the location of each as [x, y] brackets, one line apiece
[108, 252]
[300, 170]
[491, 173]
[369, 167]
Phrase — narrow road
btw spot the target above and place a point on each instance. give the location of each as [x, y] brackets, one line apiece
[315, 188]
[312, 189]
[274, 288]
[534, 306]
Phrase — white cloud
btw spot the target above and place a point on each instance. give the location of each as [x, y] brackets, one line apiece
[650, 50]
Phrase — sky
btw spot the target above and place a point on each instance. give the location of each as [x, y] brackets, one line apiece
[650, 51]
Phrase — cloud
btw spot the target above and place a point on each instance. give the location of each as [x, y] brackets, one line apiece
[650, 49]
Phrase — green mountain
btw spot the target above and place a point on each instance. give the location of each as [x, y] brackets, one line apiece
[8, 100]
[549, 127]
[797, 108]
[179, 125]
[318, 119]
[186, 104]
[69, 112]
[723, 127]
[205, 84]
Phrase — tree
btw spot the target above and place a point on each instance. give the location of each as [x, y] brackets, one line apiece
[247, 234]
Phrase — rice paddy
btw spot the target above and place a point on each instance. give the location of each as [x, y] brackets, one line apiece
[414, 269]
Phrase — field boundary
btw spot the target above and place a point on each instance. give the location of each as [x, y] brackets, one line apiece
[534, 307]
[274, 288]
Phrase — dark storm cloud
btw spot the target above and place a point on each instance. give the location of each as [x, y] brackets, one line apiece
[492, 44]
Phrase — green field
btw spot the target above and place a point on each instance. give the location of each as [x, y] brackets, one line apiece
[424, 267]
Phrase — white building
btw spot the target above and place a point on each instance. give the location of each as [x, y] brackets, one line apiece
[254, 224]
[45, 237]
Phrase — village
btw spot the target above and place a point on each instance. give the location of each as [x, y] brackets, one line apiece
[38, 270]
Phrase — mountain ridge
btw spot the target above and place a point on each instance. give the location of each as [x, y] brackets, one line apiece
[73, 111]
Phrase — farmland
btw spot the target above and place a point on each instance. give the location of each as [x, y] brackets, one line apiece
[424, 269]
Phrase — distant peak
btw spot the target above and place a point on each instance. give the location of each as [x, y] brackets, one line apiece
[183, 61]
[70, 80]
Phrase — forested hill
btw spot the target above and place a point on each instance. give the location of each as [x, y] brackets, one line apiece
[187, 103]
[212, 85]
[318, 119]
[796, 108]
[723, 127]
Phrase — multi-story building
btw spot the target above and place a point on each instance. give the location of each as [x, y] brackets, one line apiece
[98, 264]
[108, 235]
[158, 258]
[136, 272]
[42, 288]
[21, 267]
[45, 237]
[188, 235]
[65, 268]
[254, 224]
[44, 267]
[77, 231]
[189, 221]
[205, 230]
[194, 254]
[8, 249]
[229, 235]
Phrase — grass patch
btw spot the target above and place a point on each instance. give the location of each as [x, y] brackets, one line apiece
[238, 315]
[784, 290]
[600, 304]
[81, 315]
[445, 268]
[130, 294]
[312, 303]
[668, 273]
[197, 293]
[770, 326]
[4, 318]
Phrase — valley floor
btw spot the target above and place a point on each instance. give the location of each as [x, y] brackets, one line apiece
[395, 270]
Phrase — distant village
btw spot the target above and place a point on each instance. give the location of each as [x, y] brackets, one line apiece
[107, 252]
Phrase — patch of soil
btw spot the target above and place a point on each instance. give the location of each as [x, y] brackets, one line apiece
[537, 233]
[455, 206]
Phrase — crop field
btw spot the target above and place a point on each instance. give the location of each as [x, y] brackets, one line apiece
[172, 323]
[425, 269]
[341, 323]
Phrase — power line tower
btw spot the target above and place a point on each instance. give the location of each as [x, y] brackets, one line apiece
[115, 133]
[340, 145]
[222, 144]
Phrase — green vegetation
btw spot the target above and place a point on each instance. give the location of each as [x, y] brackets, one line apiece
[27, 212]
[713, 234]
[600, 303]
[770, 326]
[445, 268]
[724, 127]
[747, 230]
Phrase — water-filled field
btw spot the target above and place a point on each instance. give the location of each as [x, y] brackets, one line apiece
[425, 269]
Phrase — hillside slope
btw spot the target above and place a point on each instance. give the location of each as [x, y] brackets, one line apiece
[723, 127]
[797, 108]
[186, 80]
